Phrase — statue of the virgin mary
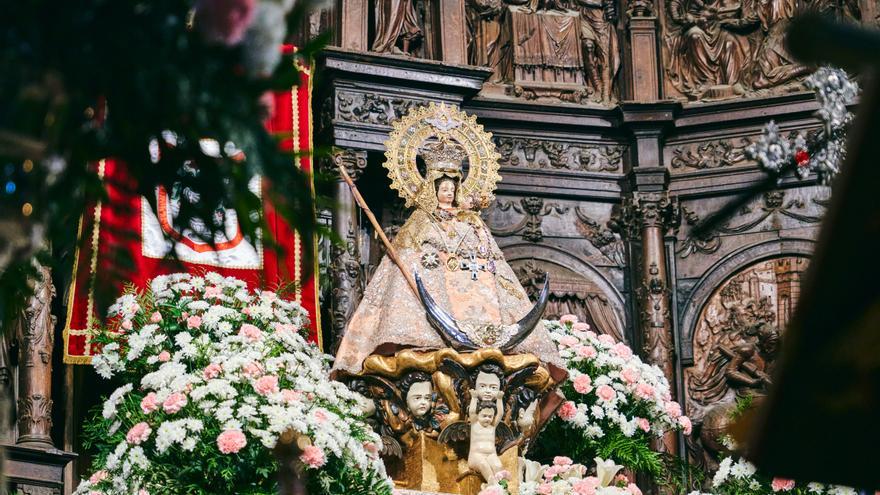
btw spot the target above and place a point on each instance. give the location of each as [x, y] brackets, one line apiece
[461, 272]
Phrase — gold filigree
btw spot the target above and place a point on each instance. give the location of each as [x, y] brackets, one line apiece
[438, 123]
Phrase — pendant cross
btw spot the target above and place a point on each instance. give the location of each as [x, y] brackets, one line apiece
[473, 266]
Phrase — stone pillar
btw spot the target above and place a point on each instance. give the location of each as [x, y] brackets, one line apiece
[352, 24]
[642, 57]
[453, 36]
[345, 266]
[35, 367]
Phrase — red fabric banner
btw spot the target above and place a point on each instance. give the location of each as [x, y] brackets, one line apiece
[128, 220]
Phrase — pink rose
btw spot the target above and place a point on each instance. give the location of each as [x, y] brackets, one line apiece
[156, 317]
[562, 460]
[149, 403]
[213, 291]
[231, 441]
[568, 341]
[98, 477]
[252, 369]
[174, 403]
[586, 486]
[138, 433]
[194, 321]
[630, 375]
[250, 332]
[212, 370]
[622, 350]
[686, 426]
[583, 384]
[643, 424]
[568, 319]
[224, 21]
[567, 411]
[267, 384]
[313, 457]
[580, 327]
[127, 325]
[291, 396]
[606, 393]
[545, 488]
[586, 351]
[606, 339]
[633, 489]
[781, 484]
[644, 391]
[673, 409]
[164, 356]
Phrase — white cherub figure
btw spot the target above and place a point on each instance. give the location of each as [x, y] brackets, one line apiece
[484, 416]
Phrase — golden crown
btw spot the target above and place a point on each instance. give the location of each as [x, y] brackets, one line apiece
[443, 155]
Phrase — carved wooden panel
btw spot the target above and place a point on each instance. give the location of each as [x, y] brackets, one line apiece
[534, 153]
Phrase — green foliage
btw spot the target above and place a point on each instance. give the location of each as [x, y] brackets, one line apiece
[346, 480]
[743, 404]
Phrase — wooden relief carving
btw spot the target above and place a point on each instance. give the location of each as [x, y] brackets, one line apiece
[533, 210]
[561, 49]
[400, 27]
[555, 155]
[709, 155]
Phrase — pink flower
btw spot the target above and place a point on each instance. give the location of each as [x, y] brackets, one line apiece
[492, 490]
[606, 339]
[224, 21]
[213, 291]
[567, 411]
[138, 433]
[621, 480]
[568, 319]
[502, 475]
[545, 488]
[266, 385]
[320, 416]
[284, 327]
[633, 489]
[156, 317]
[127, 325]
[630, 375]
[580, 327]
[250, 332]
[673, 409]
[194, 321]
[643, 424]
[586, 486]
[781, 484]
[143, 492]
[164, 356]
[644, 391]
[149, 403]
[562, 460]
[291, 396]
[371, 448]
[622, 350]
[568, 341]
[212, 370]
[231, 441]
[252, 369]
[606, 393]
[268, 295]
[313, 457]
[586, 351]
[98, 477]
[174, 403]
[686, 426]
[583, 384]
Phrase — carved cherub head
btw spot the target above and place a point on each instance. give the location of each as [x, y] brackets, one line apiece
[486, 411]
[418, 393]
[487, 382]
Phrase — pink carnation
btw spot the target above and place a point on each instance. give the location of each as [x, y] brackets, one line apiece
[686, 426]
[630, 375]
[586, 486]
[127, 325]
[231, 441]
[606, 339]
[545, 488]
[568, 319]
[164, 356]
[580, 327]
[213, 291]
[643, 424]
[138, 433]
[568, 341]
[605, 392]
[250, 332]
[212, 370]
[284, 327]
[98, 476]
[313, 457]
[149, 403]
[622, 350]
[673, 409]
[633, 489]
[562, 460]
[781, 484]
[291, 395]
[492, 490]
[586, 351]
[583, 384]
[567, 411]
[644, 391]
[320, 415]
[252, 369]
[174, 403]
[266, 385]
[224, 21]
[194, 321]
[156, 317]
[143, 492]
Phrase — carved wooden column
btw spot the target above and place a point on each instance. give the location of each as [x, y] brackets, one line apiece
[35, 367]
[352, 24]
[453, 36]
[642, 60]
[345, 263]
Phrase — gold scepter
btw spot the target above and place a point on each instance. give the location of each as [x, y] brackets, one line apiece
[392, 253]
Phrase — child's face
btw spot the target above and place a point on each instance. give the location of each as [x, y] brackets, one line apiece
[485, 417]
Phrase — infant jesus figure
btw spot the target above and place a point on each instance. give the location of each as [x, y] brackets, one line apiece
[484, 416]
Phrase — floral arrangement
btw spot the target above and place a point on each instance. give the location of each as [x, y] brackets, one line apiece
[214, 374]
[564, 477]
[616, 403]
[740, 477]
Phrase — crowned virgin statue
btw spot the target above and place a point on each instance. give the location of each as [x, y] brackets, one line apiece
[470, 297]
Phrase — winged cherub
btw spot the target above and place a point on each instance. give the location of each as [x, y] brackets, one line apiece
[484, 416]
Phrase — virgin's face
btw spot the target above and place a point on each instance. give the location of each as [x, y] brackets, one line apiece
[446, 193]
